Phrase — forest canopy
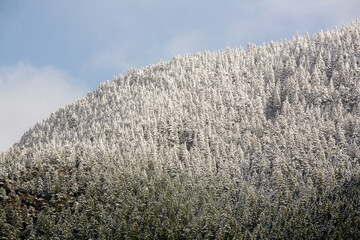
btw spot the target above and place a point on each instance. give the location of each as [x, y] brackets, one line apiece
[249, 143]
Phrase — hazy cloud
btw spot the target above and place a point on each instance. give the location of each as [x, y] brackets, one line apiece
[182, 44]
[109, 59]
[280, 19]
[28, 95]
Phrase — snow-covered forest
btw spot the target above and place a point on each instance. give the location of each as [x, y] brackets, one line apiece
[262, 142]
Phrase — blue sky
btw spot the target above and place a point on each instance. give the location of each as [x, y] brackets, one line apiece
[54, 52]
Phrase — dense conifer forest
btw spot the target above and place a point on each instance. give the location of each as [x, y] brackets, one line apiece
[262, 143]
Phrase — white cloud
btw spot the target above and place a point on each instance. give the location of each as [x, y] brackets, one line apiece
[28, 95]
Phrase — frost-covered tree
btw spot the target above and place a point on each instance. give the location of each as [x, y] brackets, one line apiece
[235, 144]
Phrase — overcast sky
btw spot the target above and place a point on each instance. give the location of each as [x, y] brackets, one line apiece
[54, 52]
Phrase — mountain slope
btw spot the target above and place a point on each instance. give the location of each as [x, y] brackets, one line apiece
[262, 142]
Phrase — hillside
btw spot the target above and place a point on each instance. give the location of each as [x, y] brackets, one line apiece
[255, 143]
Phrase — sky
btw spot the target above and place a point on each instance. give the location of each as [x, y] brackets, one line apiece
[54, 52]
